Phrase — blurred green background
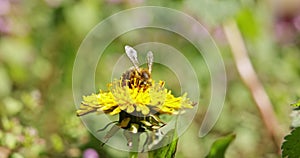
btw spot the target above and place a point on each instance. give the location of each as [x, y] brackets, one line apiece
[38, 44]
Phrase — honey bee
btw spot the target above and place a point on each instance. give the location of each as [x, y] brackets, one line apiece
[135, 76]
[140, 78]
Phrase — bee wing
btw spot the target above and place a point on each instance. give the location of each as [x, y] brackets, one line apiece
[150, 60]
[132, 55]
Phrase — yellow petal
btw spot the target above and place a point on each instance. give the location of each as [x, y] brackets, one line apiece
[115, 111]
[130, 109]
[145, 110]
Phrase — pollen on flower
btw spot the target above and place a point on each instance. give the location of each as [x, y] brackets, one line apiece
[155, 99]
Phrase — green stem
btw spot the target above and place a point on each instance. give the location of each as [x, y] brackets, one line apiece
[133, 154]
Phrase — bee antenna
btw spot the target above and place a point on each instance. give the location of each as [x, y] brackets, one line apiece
[132, 55]
[150, 60]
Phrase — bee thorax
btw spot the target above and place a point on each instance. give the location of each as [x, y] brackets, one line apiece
[137, 78]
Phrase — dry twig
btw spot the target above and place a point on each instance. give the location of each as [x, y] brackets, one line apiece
[251, 80]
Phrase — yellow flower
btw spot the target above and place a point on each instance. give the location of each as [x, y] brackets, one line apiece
[137, 100]
[155, 99]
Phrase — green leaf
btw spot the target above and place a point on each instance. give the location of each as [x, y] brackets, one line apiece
[16, 155]
[219, 147]
[57, 143]
[213, 12]
[167, 151]
[133, 154]
[290, 147]
[10, 141]
[297, 104]
[12, 106]
[248, 23]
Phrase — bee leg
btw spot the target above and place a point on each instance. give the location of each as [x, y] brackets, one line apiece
[102, 129]
[114, 129]
[151, 139]
[147, 141]
[157, 120]
[133, 140]
[128, 136]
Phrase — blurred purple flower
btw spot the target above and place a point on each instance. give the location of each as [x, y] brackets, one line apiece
[219, 36]
[284, 29]
[114, 1]
[124, 1]
[54, 3]
[4, 26]
[296, 21]
[90, 153]
[4, 7]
